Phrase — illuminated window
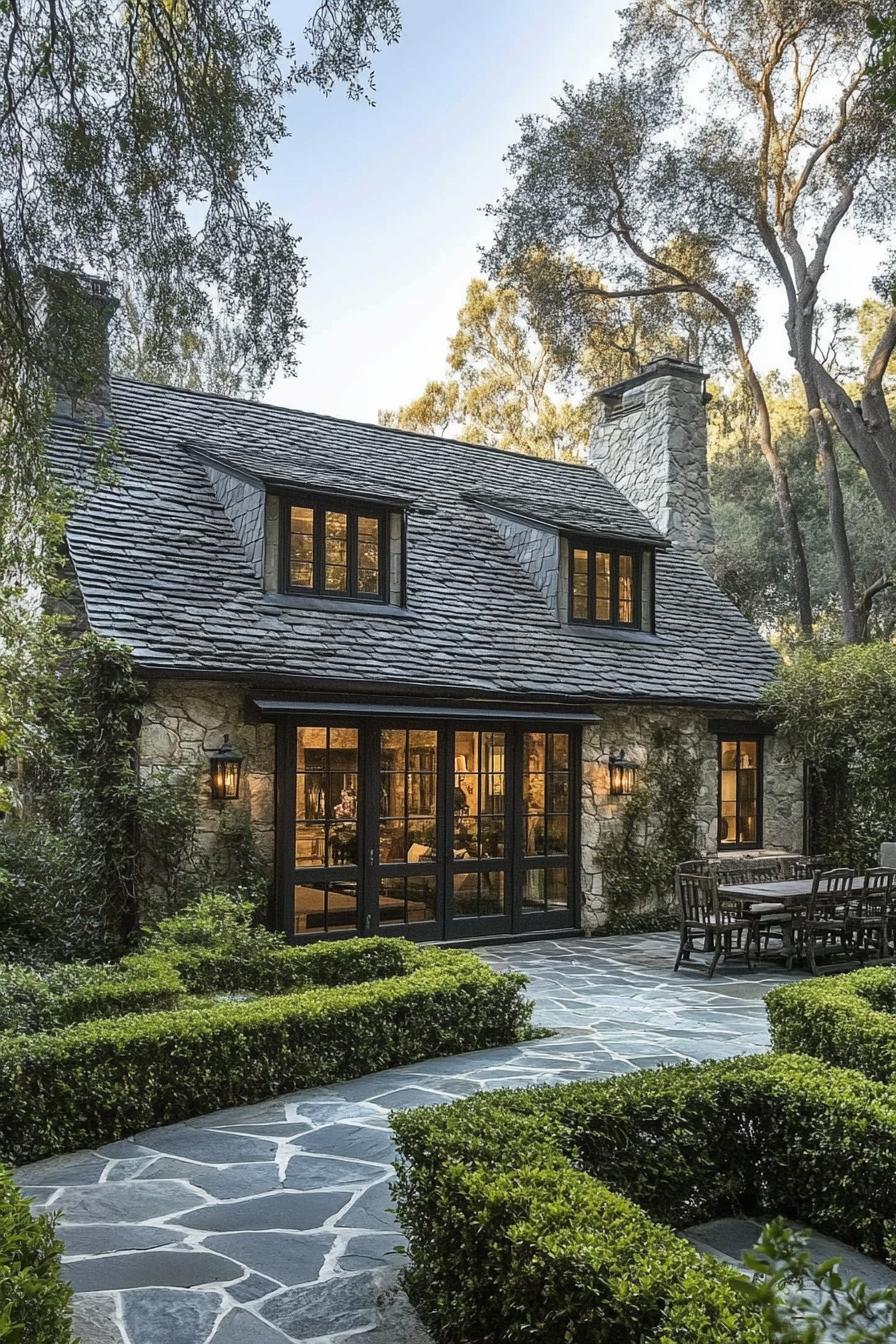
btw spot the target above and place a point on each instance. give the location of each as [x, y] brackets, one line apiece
[335, 550]
[605, 585]
[740, 791]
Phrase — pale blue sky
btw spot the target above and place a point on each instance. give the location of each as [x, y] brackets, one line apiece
[388, 199]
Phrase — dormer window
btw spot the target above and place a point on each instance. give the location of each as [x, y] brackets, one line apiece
[335, 549]
[609, 584]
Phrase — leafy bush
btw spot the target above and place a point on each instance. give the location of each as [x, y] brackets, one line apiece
[217, 946]
[546, 1214]
[848, 1020]
[34, 1299]
[68, 850]
[90, 1083]
[806, 1303]
[837, 707]
[45, 1000]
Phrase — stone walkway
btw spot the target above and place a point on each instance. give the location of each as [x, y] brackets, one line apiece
[271, 1224]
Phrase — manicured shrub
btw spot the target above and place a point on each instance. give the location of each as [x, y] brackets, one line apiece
[32, 1000]
[87, 1084]
[216, 946]
[549, 1214]
[34, 1299]
[848, 1020]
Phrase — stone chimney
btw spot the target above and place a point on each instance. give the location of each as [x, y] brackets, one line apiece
[77, 310]
[650, 441]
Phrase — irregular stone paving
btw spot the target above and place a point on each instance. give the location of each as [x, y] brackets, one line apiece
[271, 1224]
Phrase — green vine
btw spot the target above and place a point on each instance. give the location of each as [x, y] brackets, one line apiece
[656, 829]
[88, 854]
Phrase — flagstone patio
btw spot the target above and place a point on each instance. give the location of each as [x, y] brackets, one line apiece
[271, 1224]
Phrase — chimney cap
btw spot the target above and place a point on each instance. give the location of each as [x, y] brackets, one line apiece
[664, 366]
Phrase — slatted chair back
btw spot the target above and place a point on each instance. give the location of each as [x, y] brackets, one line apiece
[830, 893]
[700, 866]
[697, 898]
[804, 867]
[878, 900]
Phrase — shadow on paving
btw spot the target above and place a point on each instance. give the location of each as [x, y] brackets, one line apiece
[272, 1224]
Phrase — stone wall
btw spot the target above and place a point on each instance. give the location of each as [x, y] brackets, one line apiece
[183, 721]
[650, 442]
[623, 727]
[186, 719]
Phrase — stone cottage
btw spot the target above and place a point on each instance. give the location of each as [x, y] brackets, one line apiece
[441, 664]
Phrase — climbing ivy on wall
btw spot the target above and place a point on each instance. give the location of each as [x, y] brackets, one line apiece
[88, 853]
[68, 840]
[656, 829]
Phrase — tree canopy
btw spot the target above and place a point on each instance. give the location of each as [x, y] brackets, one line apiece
[131, 136]
[721, 156]
[501, 386]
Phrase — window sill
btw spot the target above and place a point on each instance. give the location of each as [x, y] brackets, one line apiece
[345, 605]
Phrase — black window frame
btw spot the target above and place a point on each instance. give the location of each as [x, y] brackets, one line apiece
[738, 738]
[353, 510]
[640, 555]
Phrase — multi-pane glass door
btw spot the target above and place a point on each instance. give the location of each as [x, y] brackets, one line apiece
[429, 831]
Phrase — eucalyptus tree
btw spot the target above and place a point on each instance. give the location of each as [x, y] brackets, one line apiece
[501, 385]
[586, 222]
[131, 134]
[755, 132]
[795, 143]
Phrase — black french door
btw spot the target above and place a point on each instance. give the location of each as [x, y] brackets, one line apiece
[431, 831]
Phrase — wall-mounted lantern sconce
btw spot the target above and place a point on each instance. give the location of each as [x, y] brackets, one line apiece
[225, 767]
[623, 775]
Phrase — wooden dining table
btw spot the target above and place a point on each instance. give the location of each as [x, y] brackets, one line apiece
[788, 894]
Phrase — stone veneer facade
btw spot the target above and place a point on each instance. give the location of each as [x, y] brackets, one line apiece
[650, 441]
[186, 719]
[183, 721]
[632, 728]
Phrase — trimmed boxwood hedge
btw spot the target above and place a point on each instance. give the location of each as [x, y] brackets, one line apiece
[848, 1020]
[35, 1302]
[549, 1214]
[100, 1080]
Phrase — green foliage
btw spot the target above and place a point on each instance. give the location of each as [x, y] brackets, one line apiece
[806, 1303]
[838, 709]
[174, 868]
[501, 386]
[68, 853]
[548, 1213]
[35, 1301]
[90, 1083]
[46, 1000]
[848, 1020]
[751, 549]
[657, 828]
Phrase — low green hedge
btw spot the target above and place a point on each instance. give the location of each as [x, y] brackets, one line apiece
[32, 1000]
[267, 967]
[90, 1083]
[34, 1299]
[849, 1020]
[549, 1214]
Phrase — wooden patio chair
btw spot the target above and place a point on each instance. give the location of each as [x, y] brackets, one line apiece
[826, 928]
[804, 867]
[872, 914]
[723, 930]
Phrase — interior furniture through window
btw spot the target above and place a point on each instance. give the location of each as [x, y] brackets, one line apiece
[335, 549]
[434, 831]
[740, 792]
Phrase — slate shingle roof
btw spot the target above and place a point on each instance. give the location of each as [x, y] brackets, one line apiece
[161, 568]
